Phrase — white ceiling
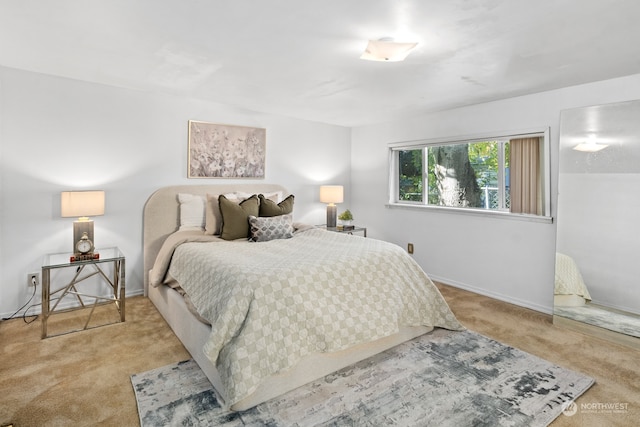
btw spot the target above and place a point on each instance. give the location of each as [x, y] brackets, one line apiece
[300, 58]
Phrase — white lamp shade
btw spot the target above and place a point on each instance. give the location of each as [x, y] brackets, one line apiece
[331, 193]
[81, 203]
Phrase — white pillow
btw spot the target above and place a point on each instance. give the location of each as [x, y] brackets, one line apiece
[276, 196]
[192, 212]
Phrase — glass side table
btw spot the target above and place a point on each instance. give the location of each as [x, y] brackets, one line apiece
[116, 284]
[355, 229]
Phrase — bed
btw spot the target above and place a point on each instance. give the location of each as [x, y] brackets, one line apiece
[265, 315]
[570, 289]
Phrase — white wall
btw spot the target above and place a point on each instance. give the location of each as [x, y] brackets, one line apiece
[507, 259]
[58, 134]
[599, 229]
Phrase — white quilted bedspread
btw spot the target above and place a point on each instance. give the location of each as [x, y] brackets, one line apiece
[272, 303]
[568, 278]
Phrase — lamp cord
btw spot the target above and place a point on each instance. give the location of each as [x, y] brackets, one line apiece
[24, 315]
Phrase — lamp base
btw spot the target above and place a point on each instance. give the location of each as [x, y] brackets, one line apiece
[332, 212]
[79, 228]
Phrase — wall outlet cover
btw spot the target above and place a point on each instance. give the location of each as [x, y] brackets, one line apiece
[33, 279]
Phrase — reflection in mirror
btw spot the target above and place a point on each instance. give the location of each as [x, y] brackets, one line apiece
[597, 287]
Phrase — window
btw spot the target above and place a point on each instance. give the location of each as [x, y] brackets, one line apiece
[505, 174]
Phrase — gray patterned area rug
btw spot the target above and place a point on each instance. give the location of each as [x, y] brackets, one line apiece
[443, 378]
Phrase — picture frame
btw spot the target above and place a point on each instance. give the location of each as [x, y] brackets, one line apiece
[225, 151]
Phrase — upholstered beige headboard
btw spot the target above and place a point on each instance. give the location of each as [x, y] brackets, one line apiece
[161, 215]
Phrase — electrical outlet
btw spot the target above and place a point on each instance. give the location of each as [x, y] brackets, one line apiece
[33, 279]
[410, 248]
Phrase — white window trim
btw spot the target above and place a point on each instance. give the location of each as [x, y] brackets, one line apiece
[393, 176]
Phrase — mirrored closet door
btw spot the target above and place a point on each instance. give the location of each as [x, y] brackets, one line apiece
[597, 287]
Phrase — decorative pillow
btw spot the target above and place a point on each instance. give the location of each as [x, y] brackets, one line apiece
[191, 211]
[264, 229]
[213, 217]
[270, 208]
[235, 217]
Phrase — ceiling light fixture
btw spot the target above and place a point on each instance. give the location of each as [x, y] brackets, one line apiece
[387, 50]
[590, 145]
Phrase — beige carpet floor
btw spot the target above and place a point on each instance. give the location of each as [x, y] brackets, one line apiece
[82, 378]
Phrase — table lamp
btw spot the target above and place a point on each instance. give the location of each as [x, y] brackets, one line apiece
[331, 194]
[81, 204]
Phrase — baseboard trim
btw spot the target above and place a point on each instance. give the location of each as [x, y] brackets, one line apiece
[596, 331]
[35, 309]
[494, 295]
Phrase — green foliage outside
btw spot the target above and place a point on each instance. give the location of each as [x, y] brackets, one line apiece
[410, 168]
[483, 157]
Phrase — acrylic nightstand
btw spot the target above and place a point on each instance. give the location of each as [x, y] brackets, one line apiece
[353, 230]
[116, 283]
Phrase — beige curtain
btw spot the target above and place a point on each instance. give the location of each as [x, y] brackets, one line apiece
[526, 185]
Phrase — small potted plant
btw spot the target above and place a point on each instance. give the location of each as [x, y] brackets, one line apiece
[346, 218]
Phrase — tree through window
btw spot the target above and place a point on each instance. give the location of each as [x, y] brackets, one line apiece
[475, 174]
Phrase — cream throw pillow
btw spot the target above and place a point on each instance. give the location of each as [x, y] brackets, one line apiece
[213, 218]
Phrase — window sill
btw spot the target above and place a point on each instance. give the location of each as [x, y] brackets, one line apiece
[474, 212]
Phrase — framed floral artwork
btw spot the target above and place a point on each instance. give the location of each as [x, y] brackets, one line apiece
[225, 151]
